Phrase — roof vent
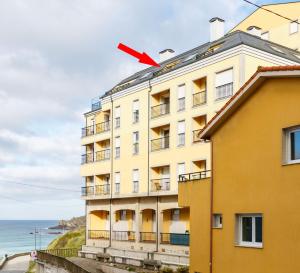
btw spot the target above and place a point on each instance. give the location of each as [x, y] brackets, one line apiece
[166, 54]
[216, 28]
[254, 30]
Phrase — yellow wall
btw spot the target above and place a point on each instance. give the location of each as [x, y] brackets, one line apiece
[147, 220]
[98, 220]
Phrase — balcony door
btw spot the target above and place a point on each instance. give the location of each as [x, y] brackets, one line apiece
[165, 175]
[165, 133]
[177, 226]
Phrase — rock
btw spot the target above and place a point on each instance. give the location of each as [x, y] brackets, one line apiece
[75, 222]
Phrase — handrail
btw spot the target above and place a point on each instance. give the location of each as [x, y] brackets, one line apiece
[103, 155]
[199, 98]
[160, 143]
[123, 235]
[159, 110]
[87, 158]
[87, 131]
[86, 191]
[194, 176]
[175, 238]
[102, 189]
[148, 237]
[102, 127]
[99, 234]
[161, 184]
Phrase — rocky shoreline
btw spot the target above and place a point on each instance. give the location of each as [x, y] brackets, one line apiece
[74, 223]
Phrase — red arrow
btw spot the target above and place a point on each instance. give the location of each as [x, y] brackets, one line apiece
[143, 58]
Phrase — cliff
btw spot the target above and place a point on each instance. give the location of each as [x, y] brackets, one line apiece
[74, 223]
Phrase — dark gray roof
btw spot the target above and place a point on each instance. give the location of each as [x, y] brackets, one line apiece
[206, 50]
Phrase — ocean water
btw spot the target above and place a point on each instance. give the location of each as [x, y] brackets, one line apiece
[15, 235]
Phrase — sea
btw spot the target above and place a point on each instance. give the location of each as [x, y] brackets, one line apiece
[25, 235]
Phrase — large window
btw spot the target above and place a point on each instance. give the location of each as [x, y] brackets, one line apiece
[224, 84]
[117, 117]
[135, 140]
[136, 113]
[180, 169]
[181, 133]
[292, 145]
[117, 182]
[135, 178]
[117, 147]
[181, 97]
[249, 231]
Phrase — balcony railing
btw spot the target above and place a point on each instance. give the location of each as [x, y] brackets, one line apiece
[194, 176]
[199, 98]
[102, 127]
[102, 189]
[162, 184]
[180, 239]
[160, 143]
[196, 134]
[96, 106]
[87, 158]
[123, 236]
[87, 131]
[224, 91]
[160, 110]
[87, 191]
[148, 237]
[103, 155]
[98, 234]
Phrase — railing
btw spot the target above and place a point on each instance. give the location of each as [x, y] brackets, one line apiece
[179, 239]
[160, 110]
[199, 98]
[181, 104]
[59, 261]
[103, 155]
[86, 191]
[181, 139]
[62, 252]
[135, 148]
[135, 186]
[136, 116]
[194, 176]
[196, 133]
[123, 235]
[224, 91]
[148, 237]
[160, 143]
[102, 127]
[87, 158]
[98, 234]
[87, 131]
[162, 184]
[96, 106]
[102, 189]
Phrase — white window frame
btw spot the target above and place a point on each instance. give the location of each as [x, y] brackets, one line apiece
[117, 182]
[287, 143]
[181, 134]
[294, 27]
[240, 231]
[223, 83]
[135, 141]
[136, 111]
[178, 169]
[181, 88]
[117, 117]
[119, 146]
[135, 178]
[217, 220]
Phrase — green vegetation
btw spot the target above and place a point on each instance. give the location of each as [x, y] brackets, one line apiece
[71, 239]
[182, 269]
[32, 267]
[166, 269]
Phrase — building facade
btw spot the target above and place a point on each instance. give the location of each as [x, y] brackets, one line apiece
[143, 134]
[244, 213]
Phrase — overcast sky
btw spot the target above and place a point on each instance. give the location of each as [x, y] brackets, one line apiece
[55, 56]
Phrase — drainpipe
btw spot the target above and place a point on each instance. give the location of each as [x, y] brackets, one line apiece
[111, 167]
[211, 211]
[157, 200]
[148, 126]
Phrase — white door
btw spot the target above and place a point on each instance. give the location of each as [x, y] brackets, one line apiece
[177, 226]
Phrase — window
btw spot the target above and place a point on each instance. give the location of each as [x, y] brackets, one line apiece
[292, 145]
[135, 140]
[181, 133]
[249, 230]
[123, 215]
[175, 215]
[181, 97]
[224, 84]
[117, 146]
[293, 27]
[217, 221]
[117, 182]
[180, 169]
[117, 117]
[136, 114]
[135, 179]
[265, 35]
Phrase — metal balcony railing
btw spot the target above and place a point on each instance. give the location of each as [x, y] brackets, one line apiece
[87, 158]
[98, 234]
[160, 110]
[102, 127]
[123, 236]
[102, 189]
[148, 237]
[199, 98]
[180, 239]
[160, 143]
[96, 106]
[224, 91]
[103, 155]
[196, 134]
[162, 184]
[87, 131]
[194, 176]
[87, 191]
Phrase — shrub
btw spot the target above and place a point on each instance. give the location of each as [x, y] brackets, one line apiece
[182, 269]
[166, 269]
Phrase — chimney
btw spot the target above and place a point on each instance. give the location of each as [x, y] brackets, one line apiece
[166, 54]
[216, 28]
[254, 30]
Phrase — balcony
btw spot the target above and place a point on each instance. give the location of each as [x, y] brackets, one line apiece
[199, 98]
[196, 134]
[179, 239]
[87, 191]
[87, 158]
[102, 127]
[123, 236]
[102, 189]
[160, 110]
[103, 155]
[194, 176]
[160, 143]
[162, 184]
[98, 234]
[87, 131]
[148, 237]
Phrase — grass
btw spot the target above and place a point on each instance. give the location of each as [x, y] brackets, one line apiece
[32, 267]
[71, 239]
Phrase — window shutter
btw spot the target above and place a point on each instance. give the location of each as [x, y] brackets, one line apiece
[135, 105]
[135, 137]
[181, 168]
[224, 77]
[117, 112]
[181, 127]
[117, 178]
[293, 27]
[118, 142]
[181, 91]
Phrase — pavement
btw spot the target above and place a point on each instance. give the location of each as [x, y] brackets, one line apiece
[17, 265]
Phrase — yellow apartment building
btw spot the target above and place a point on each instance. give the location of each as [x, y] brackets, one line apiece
[143, 133]
[244, 214]
[273, 27]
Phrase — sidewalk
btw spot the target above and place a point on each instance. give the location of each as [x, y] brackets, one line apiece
[17, 265]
